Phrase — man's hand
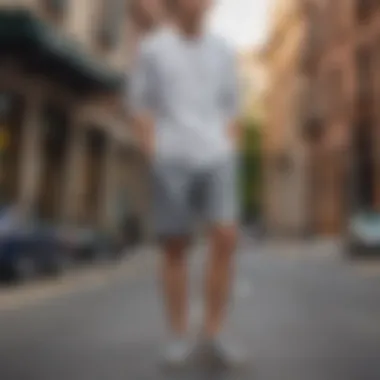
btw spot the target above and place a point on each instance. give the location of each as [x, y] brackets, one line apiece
[144, 133]
[147, 143]
[235, 134]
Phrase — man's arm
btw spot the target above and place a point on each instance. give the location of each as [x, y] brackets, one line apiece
[141, 101]
[143, 129]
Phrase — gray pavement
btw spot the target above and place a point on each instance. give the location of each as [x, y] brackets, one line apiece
[303, 312]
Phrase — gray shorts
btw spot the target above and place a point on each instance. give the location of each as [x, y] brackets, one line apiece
[183, 195]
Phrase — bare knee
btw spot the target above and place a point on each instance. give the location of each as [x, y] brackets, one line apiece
[174, 249]
[225, 238]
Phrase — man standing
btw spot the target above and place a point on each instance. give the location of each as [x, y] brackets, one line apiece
[184, 101]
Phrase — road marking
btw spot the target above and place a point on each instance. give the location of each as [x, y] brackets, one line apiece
[45, 291]
[81, 281]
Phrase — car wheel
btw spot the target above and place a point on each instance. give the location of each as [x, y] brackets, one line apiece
[24, 268]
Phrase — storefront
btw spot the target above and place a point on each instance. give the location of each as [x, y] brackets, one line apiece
[57, 139]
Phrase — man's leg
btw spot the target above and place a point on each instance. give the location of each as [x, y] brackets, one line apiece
[223, 209]
[172, 219]
[222, 213]
[219, 275]
[174, 280]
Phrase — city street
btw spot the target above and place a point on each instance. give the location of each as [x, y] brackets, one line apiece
[303, 312]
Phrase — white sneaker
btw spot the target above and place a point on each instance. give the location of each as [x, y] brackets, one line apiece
[222, 353]
[177, 353]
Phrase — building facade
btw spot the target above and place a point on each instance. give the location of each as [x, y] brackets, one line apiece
[67, 153]
[334, 116]
[340, 61]
[285, 198]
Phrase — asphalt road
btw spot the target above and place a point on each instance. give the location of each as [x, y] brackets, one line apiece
[302, 311]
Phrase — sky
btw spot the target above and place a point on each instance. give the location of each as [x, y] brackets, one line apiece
[242, 22]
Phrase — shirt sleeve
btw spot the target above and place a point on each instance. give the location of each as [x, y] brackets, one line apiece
[141, 88]
[230, 95]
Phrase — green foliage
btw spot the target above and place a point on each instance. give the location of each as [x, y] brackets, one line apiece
[251, 135]
[251, 169]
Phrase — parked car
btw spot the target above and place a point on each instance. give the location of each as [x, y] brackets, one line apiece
[87, 244]
[364, 234]
[29, 247]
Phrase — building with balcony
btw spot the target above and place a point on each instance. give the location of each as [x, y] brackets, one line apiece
[67, 153]
[341, 117]
[285, 164]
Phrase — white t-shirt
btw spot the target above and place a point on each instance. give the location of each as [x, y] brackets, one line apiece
[190, 88]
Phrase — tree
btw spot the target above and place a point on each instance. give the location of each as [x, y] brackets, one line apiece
[250, 169]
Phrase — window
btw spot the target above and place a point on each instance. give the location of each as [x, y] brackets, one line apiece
[377, 64]
[55, 131]
[364, 78]
[112, 16]
[313, 112]
[55, 122]
[363, 67]
[310, 46]
[364, 9]
[364, 173]
[12, 113]
[333, 93]
[363, 133]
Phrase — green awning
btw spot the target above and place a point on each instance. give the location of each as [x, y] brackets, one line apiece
[22, 32]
